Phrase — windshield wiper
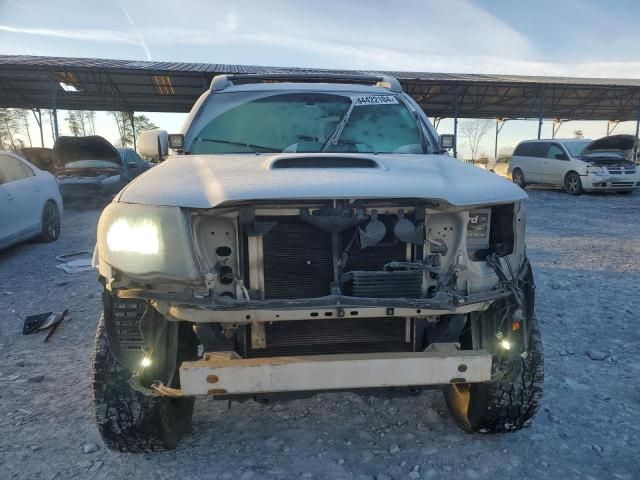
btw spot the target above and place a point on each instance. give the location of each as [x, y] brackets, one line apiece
[242, 144]
[335, 134]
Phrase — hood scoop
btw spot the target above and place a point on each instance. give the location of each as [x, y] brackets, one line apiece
[320, 161]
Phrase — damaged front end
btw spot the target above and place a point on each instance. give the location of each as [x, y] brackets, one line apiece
[89, 168]
[393, 282]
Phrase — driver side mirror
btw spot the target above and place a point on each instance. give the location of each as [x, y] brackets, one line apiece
[561, 156]
[447, 141]
[153, 144]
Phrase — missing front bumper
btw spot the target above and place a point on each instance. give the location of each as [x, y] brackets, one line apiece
[223, 375]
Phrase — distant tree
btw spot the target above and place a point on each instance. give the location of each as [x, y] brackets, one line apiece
[22, 116]
[10, 128]
[473, 131]
[81, 122]
[89, 117]
[74, 123]
[125, 129]
[505, 152]
[482, 159]
[578, 134]
[142, 123]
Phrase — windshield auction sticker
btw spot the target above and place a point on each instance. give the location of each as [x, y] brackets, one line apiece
[374, 100]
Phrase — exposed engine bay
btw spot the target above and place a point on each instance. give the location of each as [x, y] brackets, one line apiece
[338, 277]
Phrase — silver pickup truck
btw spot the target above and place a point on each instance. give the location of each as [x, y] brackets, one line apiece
[310, 234]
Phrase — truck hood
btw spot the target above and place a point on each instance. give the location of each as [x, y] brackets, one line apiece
[207, 181]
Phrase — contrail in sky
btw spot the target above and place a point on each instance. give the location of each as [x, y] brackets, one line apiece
[135, 31]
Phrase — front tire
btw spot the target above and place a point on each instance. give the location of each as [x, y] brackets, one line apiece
[129, 420]
[573, 184]
[501, 406]
[518, 178]
[50, 222]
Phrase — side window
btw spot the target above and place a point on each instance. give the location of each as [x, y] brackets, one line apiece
[27, 170]
[522, 150]
[132, 158]
[554, 150]
[13, 170]
[539, 149]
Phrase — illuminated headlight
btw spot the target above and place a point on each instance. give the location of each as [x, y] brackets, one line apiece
[140, 236]
[146, 241]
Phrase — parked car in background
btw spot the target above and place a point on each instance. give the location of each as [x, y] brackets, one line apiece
[90, 168]
[499, 166]
[30, 202]
[41, 157]
[577, 164]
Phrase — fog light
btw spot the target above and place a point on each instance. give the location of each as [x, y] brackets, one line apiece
[505, 344]
[146, 362]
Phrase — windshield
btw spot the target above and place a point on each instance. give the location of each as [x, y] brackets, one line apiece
[576, 148]
[304, 122]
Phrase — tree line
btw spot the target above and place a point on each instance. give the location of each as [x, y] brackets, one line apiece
[15, 133]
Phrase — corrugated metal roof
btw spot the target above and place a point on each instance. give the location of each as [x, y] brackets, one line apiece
[106, 84]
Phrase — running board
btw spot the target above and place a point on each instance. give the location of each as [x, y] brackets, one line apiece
[224, 373]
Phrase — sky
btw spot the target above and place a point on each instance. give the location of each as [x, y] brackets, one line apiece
[562, 37]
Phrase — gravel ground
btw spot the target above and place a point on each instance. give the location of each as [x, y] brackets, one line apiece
[585, 254]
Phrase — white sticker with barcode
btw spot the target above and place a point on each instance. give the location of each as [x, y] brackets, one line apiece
[374, 100]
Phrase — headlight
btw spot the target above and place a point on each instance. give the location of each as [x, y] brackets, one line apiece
[140, 236]
[145, 241]
[596, 171]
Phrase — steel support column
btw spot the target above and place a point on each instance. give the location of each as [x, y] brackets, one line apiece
[554, 128]
[37, 113]
[610, 129]
[54, 109]
[634, 154]
[499, 124]
[133, 128]
[455, 126]
[541, 110]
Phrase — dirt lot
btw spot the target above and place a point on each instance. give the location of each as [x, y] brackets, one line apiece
[585, 252]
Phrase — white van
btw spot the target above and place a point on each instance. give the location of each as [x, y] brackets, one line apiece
[577, 164]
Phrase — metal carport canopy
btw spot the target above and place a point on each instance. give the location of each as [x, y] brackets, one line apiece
[143, 86]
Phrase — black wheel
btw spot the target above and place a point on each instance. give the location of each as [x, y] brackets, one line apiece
[509, 402]
[50, 222]
[573, 184]
[518, 178]
[129, 420]
[501, 406]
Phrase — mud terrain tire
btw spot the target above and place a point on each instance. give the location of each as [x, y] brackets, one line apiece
[128, 420]
[507, 406]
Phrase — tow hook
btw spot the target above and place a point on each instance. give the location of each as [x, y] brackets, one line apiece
[161, 389]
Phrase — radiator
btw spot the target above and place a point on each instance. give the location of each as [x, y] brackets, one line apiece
[298, 259]
[319, 337]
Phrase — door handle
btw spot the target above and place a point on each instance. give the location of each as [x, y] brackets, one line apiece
[9, 196]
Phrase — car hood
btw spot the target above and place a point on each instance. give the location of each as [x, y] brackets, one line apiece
[75, 149]
[607, 150]
[206, 181]
[612, 142]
